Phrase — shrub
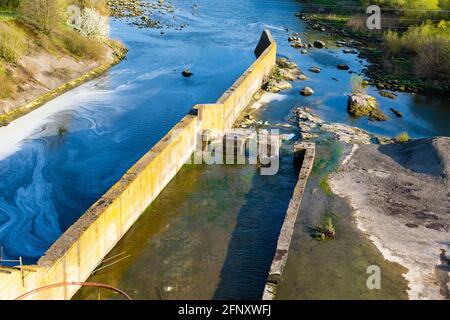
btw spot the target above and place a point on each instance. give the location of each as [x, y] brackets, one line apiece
[433, 60]
[6, 85]
[392, 41]
[92, 24]
[12, 43]
[82, 47]
[325, 231]
[403, 137]
[358, 84]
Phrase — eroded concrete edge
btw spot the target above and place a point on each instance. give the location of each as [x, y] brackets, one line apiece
[307, 150]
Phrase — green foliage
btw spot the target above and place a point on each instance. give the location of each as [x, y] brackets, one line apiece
[12, 42]
[9, 4]
[430, 45]
[325, 186]
[82, 47]
[403, 137]
[326, 230]
[45, 15]
[6, 85]
[358, 84]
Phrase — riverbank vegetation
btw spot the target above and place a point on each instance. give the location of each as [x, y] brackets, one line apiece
[45, 43]
[411, 51]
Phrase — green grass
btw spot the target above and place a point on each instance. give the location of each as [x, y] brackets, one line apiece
[403, 137]
[324, 185]
[7, 15]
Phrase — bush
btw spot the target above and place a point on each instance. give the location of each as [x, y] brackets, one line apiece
[433, 60]
[430, 46]
[392, 41]
[6, 85]
[12, 43]
[82, 47]
[403, 137]
[358, 84]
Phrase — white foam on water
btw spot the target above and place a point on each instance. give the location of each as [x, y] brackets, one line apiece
[267, 98]
[13, 135]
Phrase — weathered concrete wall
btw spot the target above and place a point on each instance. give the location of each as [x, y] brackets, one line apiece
[83, 246]
[307, 152]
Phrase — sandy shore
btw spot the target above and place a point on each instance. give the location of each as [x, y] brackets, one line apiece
[400, 194]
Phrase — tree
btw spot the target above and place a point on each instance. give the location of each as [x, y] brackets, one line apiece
[45, 15]
[92, 24]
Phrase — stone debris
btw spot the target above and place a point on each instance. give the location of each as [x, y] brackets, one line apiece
[310, 124]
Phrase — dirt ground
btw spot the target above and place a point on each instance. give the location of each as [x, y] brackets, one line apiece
[401, 197]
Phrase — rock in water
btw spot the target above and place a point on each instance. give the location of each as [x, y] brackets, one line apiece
[307, 91]
[315, 69]
[319, 44]
[397, 113]
[187, 73]
[387, 94]
[285, 64]
[343, 66]
[360, 105]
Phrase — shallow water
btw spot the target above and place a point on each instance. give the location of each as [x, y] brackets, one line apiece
[47, 180]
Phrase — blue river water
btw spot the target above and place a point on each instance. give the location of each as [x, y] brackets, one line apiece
[48, 179]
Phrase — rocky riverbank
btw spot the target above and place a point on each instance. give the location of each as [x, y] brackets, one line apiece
[400, 196]
[367, 46]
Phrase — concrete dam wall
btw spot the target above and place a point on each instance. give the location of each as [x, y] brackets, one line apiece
[81, 248]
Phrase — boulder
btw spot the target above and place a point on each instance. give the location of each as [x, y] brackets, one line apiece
[307, 91]
[360, 105]
[296, 44]
[304, 51]
[274, 86]
[285, 64]
[319, 44]
[302, 77]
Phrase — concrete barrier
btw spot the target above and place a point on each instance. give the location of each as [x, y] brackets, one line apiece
[306, 153]
[83, 246]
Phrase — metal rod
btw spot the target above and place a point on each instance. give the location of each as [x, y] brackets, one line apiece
[110, 264]
[81, 284]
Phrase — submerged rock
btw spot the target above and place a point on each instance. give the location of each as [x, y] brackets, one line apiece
[319, 44]
[387, 94]
[187, 73]
[397, 113]
[307, 91]
[360, 105]
[343, 66]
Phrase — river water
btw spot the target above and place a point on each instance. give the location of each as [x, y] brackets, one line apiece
[212, 232]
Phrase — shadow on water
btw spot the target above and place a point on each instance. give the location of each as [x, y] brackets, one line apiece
[253, 242]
